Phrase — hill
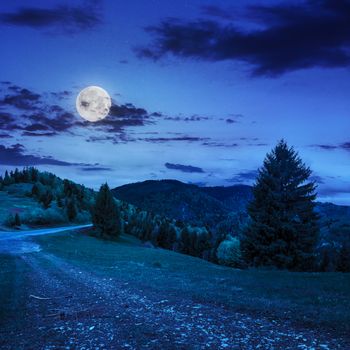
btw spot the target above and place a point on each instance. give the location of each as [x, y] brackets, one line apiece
[41, 198]
[196, 205]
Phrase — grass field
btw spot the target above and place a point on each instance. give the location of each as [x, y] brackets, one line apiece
[315, 299]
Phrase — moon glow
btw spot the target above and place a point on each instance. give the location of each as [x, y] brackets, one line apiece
[93, 103]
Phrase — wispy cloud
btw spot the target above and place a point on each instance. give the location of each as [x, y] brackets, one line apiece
[184, 168]
[96, 168]
[244, 177]
[174, 139]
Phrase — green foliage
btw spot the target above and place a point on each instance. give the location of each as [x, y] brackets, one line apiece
[10, 221]
[283, 229]
[106, 216]
[13, 220]
[229, 252]
[40, 216]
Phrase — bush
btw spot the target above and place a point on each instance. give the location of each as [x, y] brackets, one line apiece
[83, 217]
[229, 252]
[10, 221]
[45, 217]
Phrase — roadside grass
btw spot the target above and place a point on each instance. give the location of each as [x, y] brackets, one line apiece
[306, 299]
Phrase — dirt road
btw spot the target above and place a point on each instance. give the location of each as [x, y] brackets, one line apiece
[55, 303]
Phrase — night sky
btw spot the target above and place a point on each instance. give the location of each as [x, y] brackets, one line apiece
[201, 89]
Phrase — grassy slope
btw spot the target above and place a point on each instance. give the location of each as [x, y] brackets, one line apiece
[321, 300]
[14, 200]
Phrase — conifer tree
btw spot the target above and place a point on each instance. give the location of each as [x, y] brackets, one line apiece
[7, 179]
[17, 221]
[71, 210]
[106, 214]
[283, 228]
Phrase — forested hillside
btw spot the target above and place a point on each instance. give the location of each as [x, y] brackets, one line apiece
[30, 197]
[196, 206]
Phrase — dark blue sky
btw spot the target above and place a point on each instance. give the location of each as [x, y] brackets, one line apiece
[201, 89]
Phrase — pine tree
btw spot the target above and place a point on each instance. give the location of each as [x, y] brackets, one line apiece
[36, 191]
[17, 221]
[283, 228]
[106, 214]
[7, 179]
[162, 238]
[46, 198]
[71, 210]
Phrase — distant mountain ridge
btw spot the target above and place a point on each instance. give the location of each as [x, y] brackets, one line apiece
[211, 205]
[173, 199]
[186, 202]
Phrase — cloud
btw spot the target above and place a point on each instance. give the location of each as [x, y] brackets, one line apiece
[63, 19]
[27, 110]
[332, 191]
[38, 134]
[326, 147]
[171, 139]
[61, 95]
[96, 168]
[15, 155]
[318, 179]
[288, 38]
[220, 144]
[216, 11]
[6, 120]
[343, 146]
[21, 99]
[36, 127]
[192, 118]
[60, 122]
[184, 168]
[36, 115]
[244, 176]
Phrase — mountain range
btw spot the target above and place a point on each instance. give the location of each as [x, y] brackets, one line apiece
[212, 206]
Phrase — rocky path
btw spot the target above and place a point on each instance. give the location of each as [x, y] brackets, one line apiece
[66, 307]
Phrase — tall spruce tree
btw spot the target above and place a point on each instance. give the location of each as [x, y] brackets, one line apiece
[106, 214]
[283, 228]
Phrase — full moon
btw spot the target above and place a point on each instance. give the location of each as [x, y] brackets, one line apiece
[93, 103]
